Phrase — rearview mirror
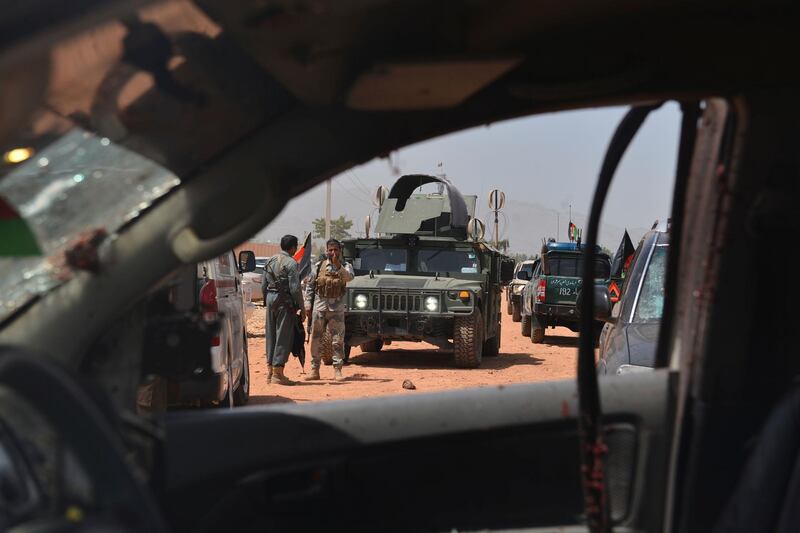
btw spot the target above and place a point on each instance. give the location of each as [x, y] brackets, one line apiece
[524, 275]
[247, 261]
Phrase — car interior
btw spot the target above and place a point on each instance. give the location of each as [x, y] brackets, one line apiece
[250, 103]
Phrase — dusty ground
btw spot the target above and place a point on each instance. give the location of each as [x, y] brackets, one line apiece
[383, 373]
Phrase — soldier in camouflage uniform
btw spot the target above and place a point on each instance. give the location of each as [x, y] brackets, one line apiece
[283, 298]
[326, 289]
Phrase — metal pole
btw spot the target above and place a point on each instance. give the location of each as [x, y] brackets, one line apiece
[496, 222]
[327, 210]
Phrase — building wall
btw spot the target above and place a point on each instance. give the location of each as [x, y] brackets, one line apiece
[261, 249]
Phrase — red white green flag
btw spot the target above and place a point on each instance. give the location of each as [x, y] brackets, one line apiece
[572, 232]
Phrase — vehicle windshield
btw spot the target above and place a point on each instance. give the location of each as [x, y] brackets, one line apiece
[572, 266]
[463, 261]
[77, 184]
[381, 259]
[527, 267]
[650, 304]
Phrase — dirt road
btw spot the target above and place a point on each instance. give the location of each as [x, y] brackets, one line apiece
[383, 373]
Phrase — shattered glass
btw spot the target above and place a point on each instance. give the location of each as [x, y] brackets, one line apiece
[76, 184]
[651, 298]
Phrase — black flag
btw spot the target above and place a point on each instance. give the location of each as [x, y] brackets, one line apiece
[622, 257]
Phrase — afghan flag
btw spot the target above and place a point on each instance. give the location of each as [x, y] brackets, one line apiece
[622, 259]
[572, 231]
[16, 237]
[303, 257]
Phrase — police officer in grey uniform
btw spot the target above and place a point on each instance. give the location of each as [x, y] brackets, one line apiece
[283, 298]
[326, 289]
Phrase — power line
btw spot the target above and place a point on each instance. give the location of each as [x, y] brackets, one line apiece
[364, 187]
[346, 191]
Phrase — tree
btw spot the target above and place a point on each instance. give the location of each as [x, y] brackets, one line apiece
[339, 228]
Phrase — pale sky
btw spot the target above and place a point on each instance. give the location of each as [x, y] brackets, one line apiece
[550, 160]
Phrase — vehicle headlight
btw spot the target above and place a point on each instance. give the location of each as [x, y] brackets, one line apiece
[517, 288]
[432, 303]
[360, 301]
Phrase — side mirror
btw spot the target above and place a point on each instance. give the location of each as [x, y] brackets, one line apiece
[247, 261]
[524, 275]
[506, 270]
[602, 304]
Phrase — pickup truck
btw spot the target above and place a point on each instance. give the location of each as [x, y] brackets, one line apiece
[549, 299]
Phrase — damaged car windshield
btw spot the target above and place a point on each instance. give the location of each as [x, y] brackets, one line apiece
[80, 186]
[651, 298]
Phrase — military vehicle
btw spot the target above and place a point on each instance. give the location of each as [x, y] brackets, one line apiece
[428, 277]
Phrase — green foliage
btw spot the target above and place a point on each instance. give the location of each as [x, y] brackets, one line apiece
[339, 228]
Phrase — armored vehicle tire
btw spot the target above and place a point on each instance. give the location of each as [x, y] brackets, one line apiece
[526, 325]
[491, 348]
[516, 314]
[372, 346]
[468, 340]
[326, 348]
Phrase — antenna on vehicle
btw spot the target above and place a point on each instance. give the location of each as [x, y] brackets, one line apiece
[497, 199]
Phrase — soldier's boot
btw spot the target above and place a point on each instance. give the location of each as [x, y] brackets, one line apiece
[337, 374]
[313, 375]
[269, 373]
[278, 377]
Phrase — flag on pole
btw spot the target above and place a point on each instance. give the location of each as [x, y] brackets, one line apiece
[303, 257]
[622, 258]
[572, 231]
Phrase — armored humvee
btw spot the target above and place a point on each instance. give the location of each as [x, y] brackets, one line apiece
[425, 278]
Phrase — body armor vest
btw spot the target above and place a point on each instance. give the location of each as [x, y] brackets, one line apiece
[329, 284]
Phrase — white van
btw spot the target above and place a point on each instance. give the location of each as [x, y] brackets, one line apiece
[220, 296]
[195, 340]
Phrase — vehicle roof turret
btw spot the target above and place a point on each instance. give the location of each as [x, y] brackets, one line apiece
[445, 213]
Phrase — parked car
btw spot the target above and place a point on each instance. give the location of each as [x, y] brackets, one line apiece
[630, 334]
[196, 334]
[515, 287]
[251, 282]
[549, 299]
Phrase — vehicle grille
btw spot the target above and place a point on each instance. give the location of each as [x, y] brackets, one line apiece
[396, 302]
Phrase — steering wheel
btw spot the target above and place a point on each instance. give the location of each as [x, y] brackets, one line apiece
[58, 397]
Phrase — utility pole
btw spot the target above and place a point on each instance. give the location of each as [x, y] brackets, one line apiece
[327, 210]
